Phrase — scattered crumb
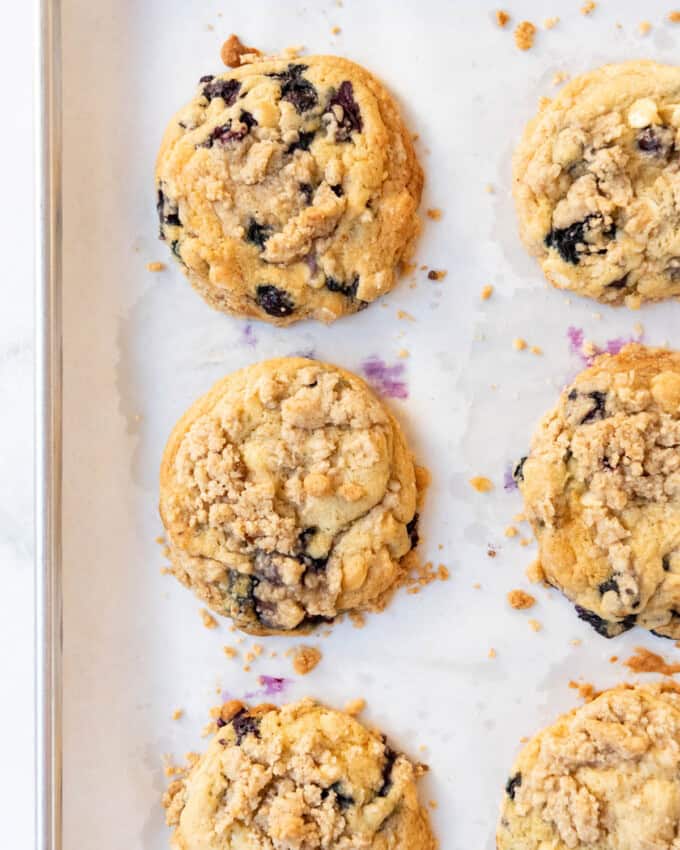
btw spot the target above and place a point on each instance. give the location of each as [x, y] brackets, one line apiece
[502, 17]
[536, 349]
[523, 739]
[645, 661]
[644, 27]
[435, 214]
[229, 651]
[492, 653]
[155, 267]
[246, 668]
[524, 35]
[477, 586]
[585, 690]
[674, 17]
[402, 314]
[520, 517]
[177, 713]
[511, 531]
[520, 600]
[208, 620]
[551, 23]
[535, 626]
[491, 551]
[576, 641]
[519, 344]
[436, 275]
[433, 804]
[559, 78]
[403, 353]
[336, 30]
[525, 541]
[588, 7]
[305, 659]
[535, 572]
[355, 706]
[489, 189]
[481, 484]
[357, 619]
[166, 571]
[232, 51]
[613, 659]
[418, 574]
[486, 293]
[638, 329]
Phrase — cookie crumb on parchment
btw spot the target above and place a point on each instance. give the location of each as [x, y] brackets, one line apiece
[585, 690]
[644, 27]
[336, 30]
[355, 706]
[435, 214]
[519, 344]
[674, 17]
[524, 35]
[492, 653]
[535, 626]
[481, 484]
[155, 267]
[306, 659]
[645, 661]
[560, 77]
[588, 7]
[486, 293]
[233, 49]
[551, 23]
[436, 275]
[520, 600]
[208, 620]
[502, 17]
[177, 713]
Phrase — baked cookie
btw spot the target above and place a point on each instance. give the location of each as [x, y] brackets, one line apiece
[288, 495]
[288, 189]
[606, 776]
[601, 487]
[300, 777]
[597, 184]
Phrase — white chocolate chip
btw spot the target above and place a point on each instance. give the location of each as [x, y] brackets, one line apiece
[643, 113]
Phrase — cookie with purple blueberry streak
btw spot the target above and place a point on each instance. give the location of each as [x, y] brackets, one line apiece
[601, 487]
[597, 184]
[299, 777]
[288, 189]
[288, 495]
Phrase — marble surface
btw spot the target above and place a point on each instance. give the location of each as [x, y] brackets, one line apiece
[16, 426]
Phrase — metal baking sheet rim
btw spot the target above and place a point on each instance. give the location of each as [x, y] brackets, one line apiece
[48, 402]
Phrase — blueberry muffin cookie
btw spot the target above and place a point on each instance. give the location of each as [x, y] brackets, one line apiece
[289, 496]
[606, 776]
[597, 184]
[300, 777]
[601, 487]
[288, 189]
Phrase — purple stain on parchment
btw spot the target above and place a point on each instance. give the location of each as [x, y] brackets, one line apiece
[576, 339]
[273, 684]
[387, 380]
[248, 336]
[509, 483]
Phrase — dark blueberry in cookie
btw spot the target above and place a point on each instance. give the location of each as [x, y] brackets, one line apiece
[174, 247]
[307, 190]
[673, 269]
[656, 141]
[606, 586]
[620, 283]
[412, 529]
[606, 628]
[343, 800]
[257, 234]
[296, 89]
[241, 589]
[244, 725]
[167, 211]
[599, 408]
[338, 190]
[518, 471]
[274, 301]
[666, 563]
[303, 142]
[570, 242]
[224, 133]
[313, 564]
[351, 114]
[220, 723]
[512, 785]
[206, 78]
[226, 89]
[390, 758]
[348, 289]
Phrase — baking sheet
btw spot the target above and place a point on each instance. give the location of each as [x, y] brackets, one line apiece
[139, 347]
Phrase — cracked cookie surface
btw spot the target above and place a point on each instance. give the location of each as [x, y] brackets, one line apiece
[601, 487]
[288, 189]
[603, 777]
[300, 777]
[597, 184]
[288, 495]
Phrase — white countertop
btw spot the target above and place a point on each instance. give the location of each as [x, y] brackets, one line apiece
[16, 425]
